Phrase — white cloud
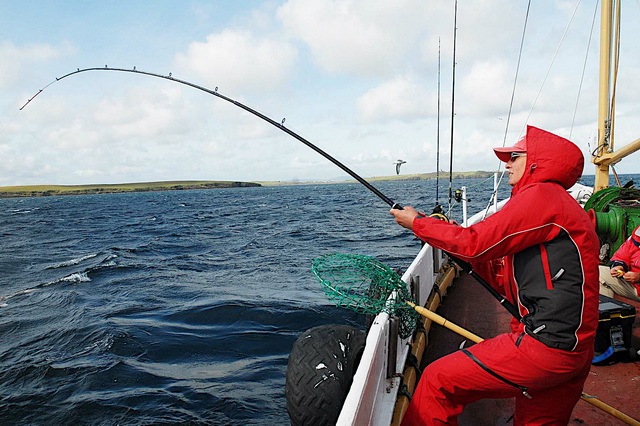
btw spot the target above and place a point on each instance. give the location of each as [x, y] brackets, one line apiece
[16, 59]
[239, 59]
[361, 38]
[486, 88]
[401, 98]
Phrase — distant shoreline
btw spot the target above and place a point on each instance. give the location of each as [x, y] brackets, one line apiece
[418, 176]
[54, 190]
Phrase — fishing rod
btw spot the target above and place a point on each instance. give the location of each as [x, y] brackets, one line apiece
[280, 125]
[438, 135]
[453, 97]
[463, 264]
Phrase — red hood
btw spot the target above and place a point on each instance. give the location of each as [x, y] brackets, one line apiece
[635, 236]
[550, 158]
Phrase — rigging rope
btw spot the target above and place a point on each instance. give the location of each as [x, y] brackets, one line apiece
[515, 80]
[616, 63]
[555, 55]
[608, 136]
[584, 68]
[494, 193]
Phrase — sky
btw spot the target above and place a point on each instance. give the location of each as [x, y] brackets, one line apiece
[369, 82]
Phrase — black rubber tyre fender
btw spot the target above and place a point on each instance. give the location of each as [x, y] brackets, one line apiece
[320, 371]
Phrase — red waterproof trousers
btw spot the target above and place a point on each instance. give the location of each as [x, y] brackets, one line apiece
[554, 380]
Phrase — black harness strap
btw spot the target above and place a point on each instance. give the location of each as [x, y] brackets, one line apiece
[522, 389]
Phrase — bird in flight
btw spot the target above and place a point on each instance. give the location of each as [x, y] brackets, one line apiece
[398, 163]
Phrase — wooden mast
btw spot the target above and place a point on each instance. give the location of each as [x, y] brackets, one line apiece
[605, 142]
[604, 155]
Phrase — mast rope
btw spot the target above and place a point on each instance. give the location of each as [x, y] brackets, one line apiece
[555, 55]
[515, 79]
[616, 62]
[608, 137]
[584, 69]
[494, 193]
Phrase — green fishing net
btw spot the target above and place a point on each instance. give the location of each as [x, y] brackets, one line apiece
[363, 284]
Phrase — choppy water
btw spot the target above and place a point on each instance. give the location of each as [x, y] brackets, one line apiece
[177, 307]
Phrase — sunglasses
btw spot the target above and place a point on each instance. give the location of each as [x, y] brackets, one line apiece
[515, 155]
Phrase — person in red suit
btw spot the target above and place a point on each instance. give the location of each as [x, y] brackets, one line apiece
[548, 249]
[624, 276]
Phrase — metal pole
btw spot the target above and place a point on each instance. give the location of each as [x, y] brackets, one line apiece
[495, 191]
[464, 205]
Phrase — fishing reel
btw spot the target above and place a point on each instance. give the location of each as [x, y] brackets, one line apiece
[460, 194]
[438, 213]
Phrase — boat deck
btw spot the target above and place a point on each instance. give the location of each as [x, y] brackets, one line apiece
[469, 305]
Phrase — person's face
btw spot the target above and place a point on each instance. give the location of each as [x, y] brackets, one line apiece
[515, 166]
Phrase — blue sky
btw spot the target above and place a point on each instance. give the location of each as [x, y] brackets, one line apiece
[358, 79]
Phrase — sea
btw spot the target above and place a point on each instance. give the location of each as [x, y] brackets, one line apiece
[181, 307]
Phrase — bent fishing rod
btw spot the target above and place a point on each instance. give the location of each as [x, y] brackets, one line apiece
[463, 264]
[280, 125]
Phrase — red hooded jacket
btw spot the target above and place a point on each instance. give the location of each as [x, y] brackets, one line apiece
[628, 255]
[549, 245]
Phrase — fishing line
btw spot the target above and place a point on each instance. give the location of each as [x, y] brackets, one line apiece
[279, 125]
[5, 126]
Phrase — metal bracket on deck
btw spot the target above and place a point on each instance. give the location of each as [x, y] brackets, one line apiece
[392, 353]
[414, 283]
[437, 256]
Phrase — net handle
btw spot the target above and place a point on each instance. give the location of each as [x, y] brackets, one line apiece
[445, 323]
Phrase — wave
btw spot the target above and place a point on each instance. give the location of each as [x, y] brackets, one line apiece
[78, 277]
[71, 262]
[27, 291]
[73, 278]
[23, 211]
[83, 276]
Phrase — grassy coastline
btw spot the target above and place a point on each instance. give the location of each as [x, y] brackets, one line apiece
[416, 176]
[51, 190]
